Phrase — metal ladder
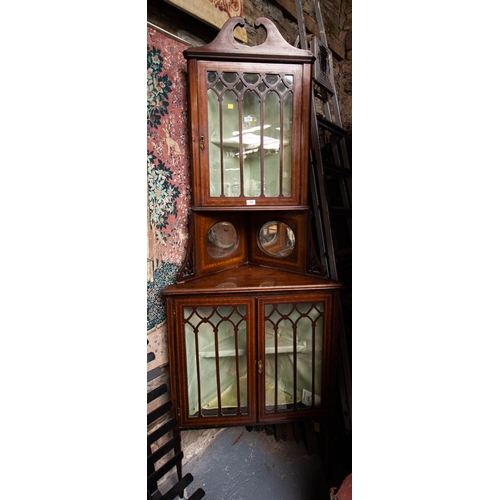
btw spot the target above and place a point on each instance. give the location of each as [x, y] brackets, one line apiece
[330, 182]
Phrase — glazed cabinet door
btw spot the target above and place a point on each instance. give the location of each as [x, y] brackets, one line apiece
[293, 355]
[215, 360]
[248, 141]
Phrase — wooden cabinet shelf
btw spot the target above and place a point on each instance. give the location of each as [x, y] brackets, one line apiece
[285, 345]
[227, 347]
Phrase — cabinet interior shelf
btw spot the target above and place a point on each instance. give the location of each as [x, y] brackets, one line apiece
[229, 397]
[251, 141]
[285, 345]
[227, 347]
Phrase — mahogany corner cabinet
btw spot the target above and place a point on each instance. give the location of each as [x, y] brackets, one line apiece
[251, 321]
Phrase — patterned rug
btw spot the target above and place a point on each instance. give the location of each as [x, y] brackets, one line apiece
[168, 176]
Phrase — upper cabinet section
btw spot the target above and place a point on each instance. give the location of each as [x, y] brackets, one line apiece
[250, 118]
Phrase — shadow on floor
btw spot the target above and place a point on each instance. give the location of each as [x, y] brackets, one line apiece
[241, 465]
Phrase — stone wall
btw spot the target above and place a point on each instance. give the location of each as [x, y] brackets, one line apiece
[337, 19]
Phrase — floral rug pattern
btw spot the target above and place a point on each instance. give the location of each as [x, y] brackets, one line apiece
[168, 193]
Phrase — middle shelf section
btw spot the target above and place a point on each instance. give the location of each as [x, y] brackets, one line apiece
[274, 343]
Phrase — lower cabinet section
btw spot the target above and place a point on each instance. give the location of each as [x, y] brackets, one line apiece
[244, 359]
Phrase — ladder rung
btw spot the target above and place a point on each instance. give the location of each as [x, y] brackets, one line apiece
[318, 93]
[331, 127]
[323, 85]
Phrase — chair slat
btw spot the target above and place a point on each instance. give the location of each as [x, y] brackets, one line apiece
[161, 431]
[176, 491]
[157, 392]
[166, 467]
[197, 495]
[163, 450]
[178, 488]
[154, 373]
[159, 412]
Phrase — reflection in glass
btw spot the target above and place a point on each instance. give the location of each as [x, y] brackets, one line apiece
[294, 351]
[249, 128]
[271, 79]
[251, 144]
[214, 150]
[221, 240]
[216, 360]
[272, 156]
[231, 169]
[251, 78]
[287, 139]
[276, 239]
[229, 77]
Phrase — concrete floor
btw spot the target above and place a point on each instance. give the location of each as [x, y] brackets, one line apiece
[237, 464]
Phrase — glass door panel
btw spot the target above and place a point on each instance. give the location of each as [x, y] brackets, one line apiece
[272, 147]
[214, 141]
[230, 144]
[250, 134]
[251, 141]
[216, 360]
[287, 143]
[293, 350]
